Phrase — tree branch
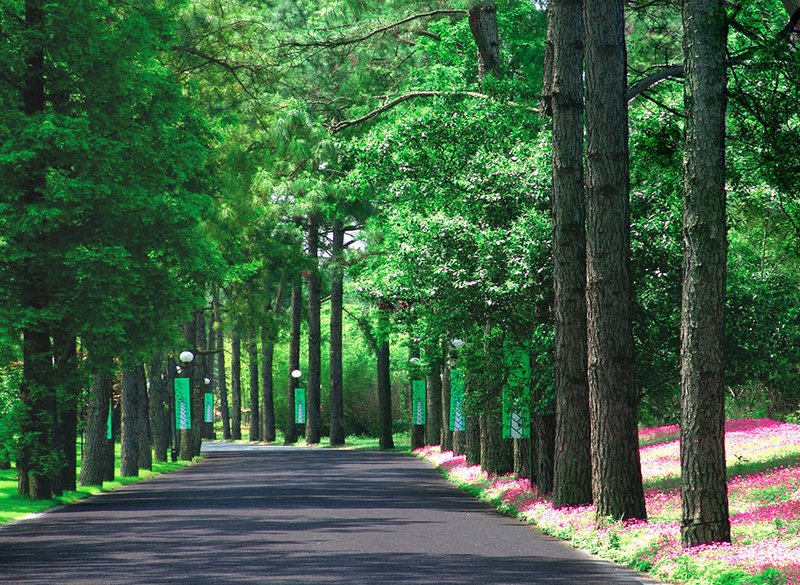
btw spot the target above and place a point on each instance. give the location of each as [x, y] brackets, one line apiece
[340, 42]
[339, 126]
[663, 73]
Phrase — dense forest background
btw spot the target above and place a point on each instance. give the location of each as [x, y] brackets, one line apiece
[210, 174]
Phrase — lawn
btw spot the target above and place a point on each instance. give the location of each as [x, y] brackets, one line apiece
[764, 493]
[12, 507]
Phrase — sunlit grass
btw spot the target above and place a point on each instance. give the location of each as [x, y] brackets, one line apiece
[13, 507]
[763, 458]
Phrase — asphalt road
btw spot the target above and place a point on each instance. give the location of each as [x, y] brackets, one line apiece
[293, 516]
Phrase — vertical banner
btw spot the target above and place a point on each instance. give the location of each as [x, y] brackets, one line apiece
[300, 406]
[418, 402]
[183, 412]
[517, 396]
[208, 407]
[109, 422]
[458, 421]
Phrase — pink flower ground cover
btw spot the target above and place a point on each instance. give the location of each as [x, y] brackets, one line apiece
[764, 494]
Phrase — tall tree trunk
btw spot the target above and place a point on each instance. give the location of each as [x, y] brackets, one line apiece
[704, 495]
[206, 365]
[236, 384]
[93, 461]
[159, 407]
[572, 480]
[36, 389]
[472, 440]
[616, 472]
[545, 428]
[483, 23]
[290, 435]
[313, 402]
[129, 436]
[446, 434]
[497, 453]
[145, 458]
[336, 390]
[69, 391]
[255, 415]
[269, 332]
[433, 426]
[523, 458]
[386, 441]
[222, 382]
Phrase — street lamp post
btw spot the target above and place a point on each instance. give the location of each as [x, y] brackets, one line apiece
[182, 407]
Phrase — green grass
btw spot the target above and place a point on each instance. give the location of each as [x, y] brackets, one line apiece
[13, 507]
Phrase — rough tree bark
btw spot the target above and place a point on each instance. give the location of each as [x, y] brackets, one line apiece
[385, 440]
[616, 472]
[93, 462]
[222, 382]
[704, 494]
[336, 390]
[69, 391]
[268, 334]
[313, 402]
[159, 407]
[145, 456]
[290, 434]
[236, 384]
[483, 24]
[433, 426]
[36, 389]
[447, 434]
[572, 478]
[472, 440]
[129, 435]
[255, 416]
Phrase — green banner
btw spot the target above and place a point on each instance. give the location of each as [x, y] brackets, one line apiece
[109, 422]
[300, 406]
[183, 411]
[517, 395]
[208, 407]
[418, 402]
[458, 421]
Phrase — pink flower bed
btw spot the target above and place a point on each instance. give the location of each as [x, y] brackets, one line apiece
[764, 504]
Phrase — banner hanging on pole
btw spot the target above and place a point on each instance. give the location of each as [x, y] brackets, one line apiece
[183, 411]
[300, 406]
[458, 421]
[418, 402]
[208, 407]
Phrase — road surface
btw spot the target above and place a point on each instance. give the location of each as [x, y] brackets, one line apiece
[254, 514]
